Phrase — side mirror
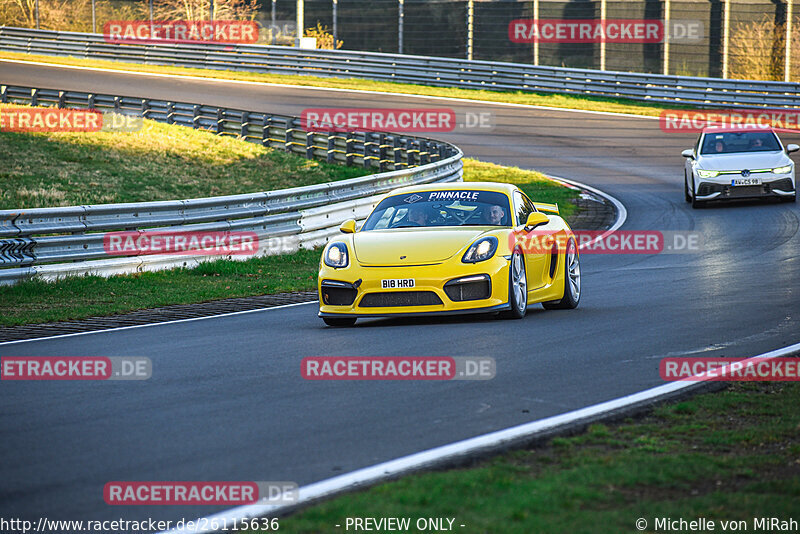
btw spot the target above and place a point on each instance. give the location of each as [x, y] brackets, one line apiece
[688, 153]
[792, 148]
[348, 227]
[536, 219]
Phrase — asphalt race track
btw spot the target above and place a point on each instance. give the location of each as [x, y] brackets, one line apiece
[227, 402]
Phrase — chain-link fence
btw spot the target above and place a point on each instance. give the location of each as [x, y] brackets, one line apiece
[718, 38]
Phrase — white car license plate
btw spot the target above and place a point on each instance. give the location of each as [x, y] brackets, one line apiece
[746, 181]
[397, 283]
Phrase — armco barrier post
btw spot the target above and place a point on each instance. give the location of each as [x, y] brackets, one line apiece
[66, 248]
[684, 90]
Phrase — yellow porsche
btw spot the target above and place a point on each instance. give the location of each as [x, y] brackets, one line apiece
[447, 249]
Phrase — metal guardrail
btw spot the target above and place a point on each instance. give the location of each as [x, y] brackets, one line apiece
[423, 70]
[54, 242]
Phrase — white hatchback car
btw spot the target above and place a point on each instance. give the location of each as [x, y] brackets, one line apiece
[740, 162]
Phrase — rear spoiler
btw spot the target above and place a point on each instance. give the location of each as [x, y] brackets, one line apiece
[547, 208]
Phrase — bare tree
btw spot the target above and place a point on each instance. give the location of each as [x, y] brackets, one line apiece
[21, 13]
[757, 51]
[53, 14]
[199, 9]
[324, 37]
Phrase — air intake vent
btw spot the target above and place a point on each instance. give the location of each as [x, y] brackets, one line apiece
[784, 184]
[707, 188]
[400, 298]
[470, 288]
[338, 293]
[744, 191]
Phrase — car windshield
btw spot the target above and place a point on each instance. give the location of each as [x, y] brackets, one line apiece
[733, 142]
[441, 208]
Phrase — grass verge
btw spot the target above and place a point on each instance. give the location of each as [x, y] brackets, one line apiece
[613, 105]
[204, 164]
[728, 456]
[159, 162]
[78, 297]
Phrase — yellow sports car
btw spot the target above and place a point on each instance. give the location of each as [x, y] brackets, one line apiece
[450, 248]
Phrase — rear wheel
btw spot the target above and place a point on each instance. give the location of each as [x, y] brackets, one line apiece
[517, 287]
[572, 281]
[339, 321]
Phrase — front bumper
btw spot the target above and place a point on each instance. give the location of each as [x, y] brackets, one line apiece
[720, 187]
[356, 291]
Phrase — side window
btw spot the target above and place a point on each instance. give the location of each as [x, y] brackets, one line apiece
[528, 206]
[521, 208]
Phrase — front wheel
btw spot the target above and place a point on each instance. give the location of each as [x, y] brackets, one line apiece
[572, 281]
[686, 195]
[517, 287]
[339, 321]
[695, 203]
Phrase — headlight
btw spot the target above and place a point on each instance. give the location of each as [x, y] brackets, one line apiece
[481, 250]
[336, 255]
[782, 170]
[707, 174]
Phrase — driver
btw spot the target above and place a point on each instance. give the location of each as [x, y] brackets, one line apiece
[417, 215]
[494, 215]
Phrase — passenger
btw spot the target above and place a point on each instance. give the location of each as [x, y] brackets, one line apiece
[494, 215]
[719, 147]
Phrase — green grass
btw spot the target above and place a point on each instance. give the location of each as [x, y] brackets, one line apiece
[603, 480]
[166, 163]
[733, 455]
[77, 297]
[535, 184]
[614, 105]
[160, 162]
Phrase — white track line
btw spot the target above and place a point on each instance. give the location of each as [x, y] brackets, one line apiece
[334, 89]
[376, 473]
[454, 451]
[158, 324]
[622, 214]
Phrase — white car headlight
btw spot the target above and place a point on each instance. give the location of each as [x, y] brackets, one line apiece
[707, 174]
[481, 250]
[782, 170]
[336, 255]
